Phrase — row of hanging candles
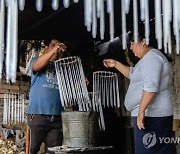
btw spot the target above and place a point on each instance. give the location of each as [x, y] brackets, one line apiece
[14, 110]
[94, 9]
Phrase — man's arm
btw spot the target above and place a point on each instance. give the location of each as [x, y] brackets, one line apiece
[42, 61]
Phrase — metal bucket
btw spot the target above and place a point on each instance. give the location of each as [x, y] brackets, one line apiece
[79, 128]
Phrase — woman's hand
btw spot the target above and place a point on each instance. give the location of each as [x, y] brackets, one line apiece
[140, 120]
[109, 62]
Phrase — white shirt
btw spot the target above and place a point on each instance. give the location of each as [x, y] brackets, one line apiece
[151, 74]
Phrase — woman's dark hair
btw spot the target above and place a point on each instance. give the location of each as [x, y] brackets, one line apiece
[152, 39]
[141, 36]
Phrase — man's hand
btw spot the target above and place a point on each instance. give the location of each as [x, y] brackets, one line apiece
[59, 47]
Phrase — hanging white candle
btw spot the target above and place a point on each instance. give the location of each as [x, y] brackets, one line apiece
[22, 98]
[60, 84]
[21, 107]
[165, 29]
[178, 16]
[11, 49]
[102, 20]
[111, 95]
[21, 4]
[94, 23]
[9, 107]
[7, 2]
[123, 14]
[115, 95]
[12, 106]
[18, 107]
[76, 1]
[175, 24]
[143, 9]
[127, 3]
[166, 25]
[5, 109]
[98, 8]
[94, 97]
[158, 23]
[15, 110]
[178, 13]
[9, 42]
[88, 14]
[66, 3]
[2, 22]
[147, 29]
[85, 12]
[135, 20]
[175, 19]
[101, 121]
[117, 90]
[55, 4]
[110, 10]
[39, 5]
[14, 41]
[169, 27]
[108, 6]
[169, 41]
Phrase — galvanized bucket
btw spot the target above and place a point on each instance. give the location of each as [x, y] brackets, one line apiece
[79, 128]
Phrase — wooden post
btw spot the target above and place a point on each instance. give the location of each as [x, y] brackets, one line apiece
[27, 140]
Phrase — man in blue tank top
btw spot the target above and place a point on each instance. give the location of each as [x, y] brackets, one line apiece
[44, 110]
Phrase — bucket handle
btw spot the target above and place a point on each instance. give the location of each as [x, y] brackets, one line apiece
[90, 113]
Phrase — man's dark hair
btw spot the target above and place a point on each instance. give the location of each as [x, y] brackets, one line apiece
[48, 40]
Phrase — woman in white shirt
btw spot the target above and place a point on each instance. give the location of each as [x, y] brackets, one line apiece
[148, 97]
